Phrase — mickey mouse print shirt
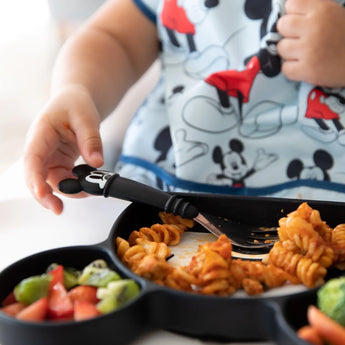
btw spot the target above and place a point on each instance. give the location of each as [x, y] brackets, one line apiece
[223, 118]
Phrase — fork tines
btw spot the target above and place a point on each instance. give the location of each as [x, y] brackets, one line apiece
[266, 234]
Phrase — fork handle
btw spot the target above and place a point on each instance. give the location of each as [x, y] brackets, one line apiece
[101, 182]
[126, 189]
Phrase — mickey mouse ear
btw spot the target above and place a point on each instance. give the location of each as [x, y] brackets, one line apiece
[69, 186]
[82, 170]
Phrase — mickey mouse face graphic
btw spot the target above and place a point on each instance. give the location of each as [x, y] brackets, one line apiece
[235, 165]
[89, 179]
[98, 177]
[323, 162]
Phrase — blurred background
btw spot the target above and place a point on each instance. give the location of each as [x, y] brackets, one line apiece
[31, 33]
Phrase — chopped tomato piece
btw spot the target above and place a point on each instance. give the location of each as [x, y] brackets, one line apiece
[84, 293]
[59, 303]
[57, 276]
[36, 311]
[13, 309]
[85, 310]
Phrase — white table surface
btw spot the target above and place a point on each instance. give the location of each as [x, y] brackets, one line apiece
[27, 228]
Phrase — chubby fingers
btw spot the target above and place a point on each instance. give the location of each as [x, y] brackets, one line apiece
[68, 127]
[290, 24]
[291, 27]
[301, 47]
[299, 6]
[36, 170]
[44, 195]
[86, 129]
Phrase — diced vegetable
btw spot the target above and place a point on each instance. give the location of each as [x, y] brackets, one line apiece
[310, 335]
[326, 327]
[32, 289]
[331, 299]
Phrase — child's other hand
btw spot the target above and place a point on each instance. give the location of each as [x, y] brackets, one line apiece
[313, 44]
[67, 127]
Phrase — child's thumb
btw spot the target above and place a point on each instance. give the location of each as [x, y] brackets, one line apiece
[91, 148]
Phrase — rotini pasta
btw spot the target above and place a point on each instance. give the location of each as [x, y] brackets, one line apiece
[265, 276]
[210, 268]
[180, 279]
[182, 223]
[338, 244]
[304, 269]
[169, 232]
[307, 246]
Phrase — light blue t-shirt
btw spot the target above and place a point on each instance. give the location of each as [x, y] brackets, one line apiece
[223, 118]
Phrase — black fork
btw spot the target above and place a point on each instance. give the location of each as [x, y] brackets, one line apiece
[246, 236]
[108, 184]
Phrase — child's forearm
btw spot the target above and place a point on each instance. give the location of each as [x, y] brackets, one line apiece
[104, 62]
[105, 74]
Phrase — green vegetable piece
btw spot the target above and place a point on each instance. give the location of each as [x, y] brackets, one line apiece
[32, 289]
[107, 304]
[331, 299]
[97, 274]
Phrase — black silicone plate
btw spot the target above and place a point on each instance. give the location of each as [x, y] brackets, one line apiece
[233, 318]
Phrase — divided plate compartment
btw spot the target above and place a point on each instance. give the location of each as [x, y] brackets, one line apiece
[234, 318]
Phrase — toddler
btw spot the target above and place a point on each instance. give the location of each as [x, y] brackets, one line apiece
[250, 99]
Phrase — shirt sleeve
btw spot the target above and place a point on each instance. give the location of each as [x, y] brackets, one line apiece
[148, 7]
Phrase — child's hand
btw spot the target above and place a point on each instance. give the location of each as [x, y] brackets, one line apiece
[67, 127]
[313, 44]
